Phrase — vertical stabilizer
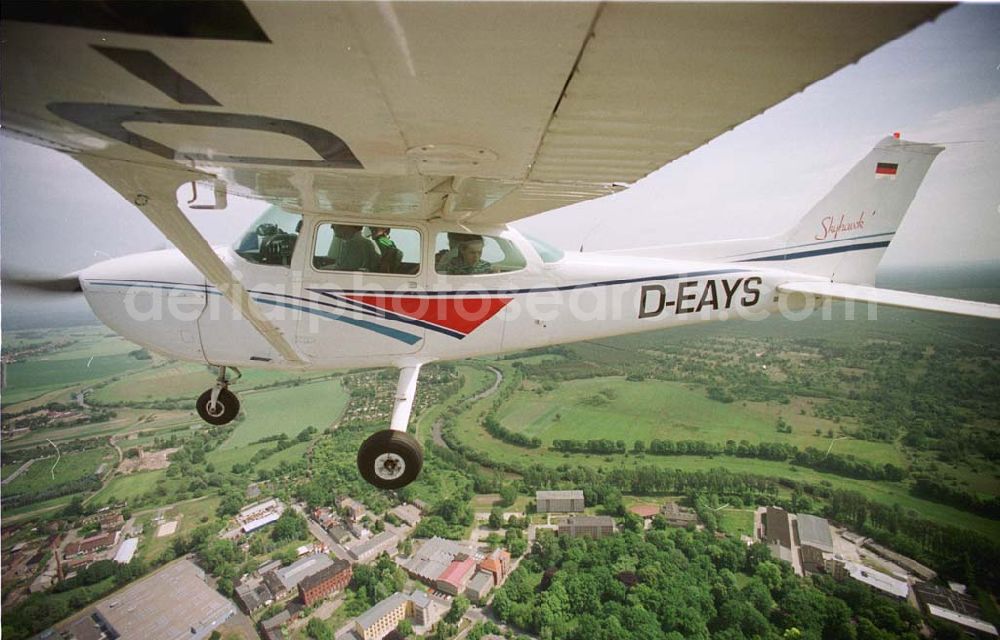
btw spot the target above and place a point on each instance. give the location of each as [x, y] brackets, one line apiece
[845, 235]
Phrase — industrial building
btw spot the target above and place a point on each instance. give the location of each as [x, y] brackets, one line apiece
[253, 596]
[433, 557]
[954, 606]
[324, 582]
[559, 501]
[594, 527]
[286, 579]
[385, 542]
[174, 602]
[452, 580]
[814, 539]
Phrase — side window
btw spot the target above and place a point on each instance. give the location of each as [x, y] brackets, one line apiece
[347, 247]
[466, 254]
[271, 238]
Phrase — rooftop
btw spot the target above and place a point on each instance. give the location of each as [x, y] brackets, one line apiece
[878, 580]
[590, 521]
[386, 538]
[296, 572]
[962, 619]
[458, 568]
[778, 527]
[126, 550]
[815, 532]
[575, 494]
[322, 575]
[367, 619]
[166, 605]
[481, 582]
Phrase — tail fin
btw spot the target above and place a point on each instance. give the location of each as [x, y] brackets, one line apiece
[845, 235]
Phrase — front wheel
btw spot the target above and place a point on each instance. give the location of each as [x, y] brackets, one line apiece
[390, 459]
[224, 410]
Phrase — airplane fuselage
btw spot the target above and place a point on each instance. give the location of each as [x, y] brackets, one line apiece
[357, 319]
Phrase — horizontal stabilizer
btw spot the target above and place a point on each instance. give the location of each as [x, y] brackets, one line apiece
[892, 298]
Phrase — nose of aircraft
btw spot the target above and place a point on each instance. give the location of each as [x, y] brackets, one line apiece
[154, 299]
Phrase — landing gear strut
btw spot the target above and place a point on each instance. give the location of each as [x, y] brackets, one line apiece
[392, 458]
[219, 405]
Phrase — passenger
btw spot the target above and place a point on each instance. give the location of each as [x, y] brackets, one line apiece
[357, 253]
[470, 258]
[391, 256]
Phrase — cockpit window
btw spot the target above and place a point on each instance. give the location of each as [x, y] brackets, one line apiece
[467, 254]
[546, 251]
[372, 249]
[271, 239]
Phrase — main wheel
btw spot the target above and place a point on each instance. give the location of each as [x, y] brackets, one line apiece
[390, 459]
[225, 409]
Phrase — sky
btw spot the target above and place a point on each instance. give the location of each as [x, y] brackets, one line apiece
[939, 83]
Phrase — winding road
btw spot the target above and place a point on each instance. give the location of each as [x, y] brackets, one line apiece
[436, 430]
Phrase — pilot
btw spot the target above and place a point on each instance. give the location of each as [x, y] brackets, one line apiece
[470, 258]
[357, 253]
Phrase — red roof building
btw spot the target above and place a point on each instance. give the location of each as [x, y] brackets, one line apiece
[452, 580]
[319, 585]
[645, 510]
[498, 564]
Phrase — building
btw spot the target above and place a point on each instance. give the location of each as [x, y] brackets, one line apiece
[285, 580]
[377, 622]
[906, 563]
[338, 533]
[877, 580]
[479, 586]
[126, 551]
[174, 602]
[497, 564]
[678, 516]
[253, 596]
[407, 513]
[777, 528]
[955, 607]
[95, 542]
[644, 511]
[594, 527]
[425, 612]
[815, 539]
[111, 521]
[262, 521]
[385, 542]
[324, 582]
[452, 580]
[559, 501]
[352, 508]
[433, 557]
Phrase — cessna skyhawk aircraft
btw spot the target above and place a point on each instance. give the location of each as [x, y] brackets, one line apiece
[397, 141]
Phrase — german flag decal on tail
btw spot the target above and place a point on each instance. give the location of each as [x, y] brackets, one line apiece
[886, 169]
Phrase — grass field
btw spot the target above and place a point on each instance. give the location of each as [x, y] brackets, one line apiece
[188, 515]
[735, 522]
[183, 380]
[469, 432]
[288, 410]
[668, 410]
[70, 467]
[127, 488]
[34, 377]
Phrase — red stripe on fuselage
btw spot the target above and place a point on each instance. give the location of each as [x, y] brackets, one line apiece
[464, 315]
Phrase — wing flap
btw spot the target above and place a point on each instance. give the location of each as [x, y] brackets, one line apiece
[893, 298]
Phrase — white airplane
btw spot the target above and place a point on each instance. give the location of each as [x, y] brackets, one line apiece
[397, 141]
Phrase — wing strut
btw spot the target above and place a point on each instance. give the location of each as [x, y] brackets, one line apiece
[154, 191]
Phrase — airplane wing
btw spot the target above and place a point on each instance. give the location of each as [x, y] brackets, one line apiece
[482, 111]
[892, 298]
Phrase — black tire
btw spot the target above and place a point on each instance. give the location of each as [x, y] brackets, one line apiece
[226, 409]
[390, 459]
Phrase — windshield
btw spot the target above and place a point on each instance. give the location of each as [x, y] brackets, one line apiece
[546, 251]
[271, 238]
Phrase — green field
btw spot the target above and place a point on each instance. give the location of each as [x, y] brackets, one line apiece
[70, 467]
[188, 515]
[127, 488]
[735, 522]
[288, 410]
[669, 411]
[36, 376]
[175, 380]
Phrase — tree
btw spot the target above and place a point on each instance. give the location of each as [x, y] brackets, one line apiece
[458, 608]
[508, 494]
[289, 526]
[496, 518]
[318, 630]
[405, 628]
